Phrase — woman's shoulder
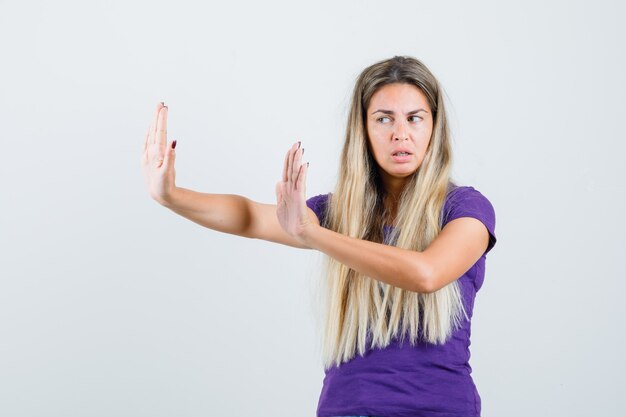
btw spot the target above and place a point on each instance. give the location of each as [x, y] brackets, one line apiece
[456, 188]
[317, 200]
[467, 201]
[465, 193]
[318, 204]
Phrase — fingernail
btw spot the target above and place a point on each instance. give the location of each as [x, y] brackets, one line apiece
[307, 164]
[299, 144]
[163, 103]
[174, 145]
[302, 151]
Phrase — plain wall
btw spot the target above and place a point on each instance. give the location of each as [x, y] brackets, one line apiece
[111, 305]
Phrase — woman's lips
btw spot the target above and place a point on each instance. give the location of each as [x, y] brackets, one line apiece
[402, 158]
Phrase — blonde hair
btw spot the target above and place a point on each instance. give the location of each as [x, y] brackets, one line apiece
[356, 306]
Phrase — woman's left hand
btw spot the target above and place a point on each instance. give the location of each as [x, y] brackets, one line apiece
[291, 208]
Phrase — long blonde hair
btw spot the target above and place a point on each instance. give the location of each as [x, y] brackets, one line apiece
[357, 307]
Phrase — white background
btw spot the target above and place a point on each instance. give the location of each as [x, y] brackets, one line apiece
[111, 305]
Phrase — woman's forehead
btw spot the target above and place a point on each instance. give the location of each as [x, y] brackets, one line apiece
[398, 98]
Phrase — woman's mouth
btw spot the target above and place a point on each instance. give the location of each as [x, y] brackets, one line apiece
[401, 156]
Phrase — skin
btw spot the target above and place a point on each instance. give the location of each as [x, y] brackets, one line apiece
[459, 245]
[393, 123]
[157, 162]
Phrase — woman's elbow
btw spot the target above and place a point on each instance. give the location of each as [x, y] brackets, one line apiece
[422, 276]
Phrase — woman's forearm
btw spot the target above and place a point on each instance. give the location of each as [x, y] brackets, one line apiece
[227, 213]
[399, 267]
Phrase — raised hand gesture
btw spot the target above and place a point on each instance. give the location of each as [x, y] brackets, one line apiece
[157, 159]
[291, 208]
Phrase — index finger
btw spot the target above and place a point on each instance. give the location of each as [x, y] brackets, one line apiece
[153, 124]
[286, 164]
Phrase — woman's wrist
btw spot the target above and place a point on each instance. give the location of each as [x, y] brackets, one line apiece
[169, 200]
[308, 235]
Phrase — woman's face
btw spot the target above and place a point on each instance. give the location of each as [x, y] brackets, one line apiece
[398, 119]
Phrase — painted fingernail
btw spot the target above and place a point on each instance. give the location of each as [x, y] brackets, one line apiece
[174, 145]
[163, 103]
[302, 151]
[299, 144]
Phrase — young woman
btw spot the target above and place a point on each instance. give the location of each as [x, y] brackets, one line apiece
[405, 246]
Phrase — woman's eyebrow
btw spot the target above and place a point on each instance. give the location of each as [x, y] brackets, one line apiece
[391, 112]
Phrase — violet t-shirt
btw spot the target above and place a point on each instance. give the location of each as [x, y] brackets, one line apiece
[424, 380]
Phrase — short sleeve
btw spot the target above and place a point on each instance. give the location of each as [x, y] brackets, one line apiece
[319, 205]
[466, 201]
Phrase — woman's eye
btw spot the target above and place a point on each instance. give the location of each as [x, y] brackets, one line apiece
[380, 119]
[416, 118]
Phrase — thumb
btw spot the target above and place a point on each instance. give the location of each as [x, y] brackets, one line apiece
[279, 192]
[170, 154]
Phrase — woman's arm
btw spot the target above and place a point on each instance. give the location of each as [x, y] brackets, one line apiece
[234, 214]
[459, 245]
[227, 213]
[399, 267]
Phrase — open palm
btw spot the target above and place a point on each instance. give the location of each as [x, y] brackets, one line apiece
[291, 208]
[157, 158]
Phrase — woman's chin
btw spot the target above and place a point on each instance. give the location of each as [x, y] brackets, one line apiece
[402, 171]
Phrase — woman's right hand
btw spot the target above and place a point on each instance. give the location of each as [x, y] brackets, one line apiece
[157, 159]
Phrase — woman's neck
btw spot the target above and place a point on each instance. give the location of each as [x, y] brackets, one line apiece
[391, 209]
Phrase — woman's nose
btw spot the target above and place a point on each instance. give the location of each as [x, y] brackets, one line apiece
[400, 132]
